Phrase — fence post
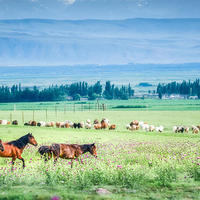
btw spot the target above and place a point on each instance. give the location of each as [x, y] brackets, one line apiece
[103, 106]
[89, 106]
[65, 110]
[46, 114]
[10, 118]
[33, 115]
[23, 117]
[74, 107]
[56, 111]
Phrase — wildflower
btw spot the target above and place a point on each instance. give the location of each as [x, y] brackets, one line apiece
[55, 198]
[119, 166]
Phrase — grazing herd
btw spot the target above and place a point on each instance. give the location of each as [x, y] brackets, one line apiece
[136, 125]
[186, 129]
[105, 124]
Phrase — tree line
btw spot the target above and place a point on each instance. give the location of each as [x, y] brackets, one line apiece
[17, 93]
[184, 88]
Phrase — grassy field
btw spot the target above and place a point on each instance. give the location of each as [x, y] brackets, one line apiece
[114, 105]
[130, 165]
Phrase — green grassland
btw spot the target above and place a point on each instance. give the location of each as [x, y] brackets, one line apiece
[115, 105]
[130, 165]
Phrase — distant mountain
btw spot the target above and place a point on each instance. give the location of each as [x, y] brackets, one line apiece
[60, 42]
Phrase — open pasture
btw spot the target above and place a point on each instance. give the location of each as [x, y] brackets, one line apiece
[130, 165]
[114, 105]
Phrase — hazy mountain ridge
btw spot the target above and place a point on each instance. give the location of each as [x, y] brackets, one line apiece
[58, 42]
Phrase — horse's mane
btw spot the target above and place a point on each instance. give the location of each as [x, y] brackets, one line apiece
[21, 142]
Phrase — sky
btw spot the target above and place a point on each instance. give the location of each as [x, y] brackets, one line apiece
[99, 9]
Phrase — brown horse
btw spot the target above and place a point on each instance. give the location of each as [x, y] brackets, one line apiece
[15, 148]
[1, 146]
[72, 151]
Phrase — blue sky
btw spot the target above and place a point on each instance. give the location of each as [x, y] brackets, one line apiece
[99, 9]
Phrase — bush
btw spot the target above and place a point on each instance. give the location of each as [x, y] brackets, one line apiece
[130, 106]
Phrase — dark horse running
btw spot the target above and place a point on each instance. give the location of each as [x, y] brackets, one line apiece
[46, 152]
[15, 148]
[72, 151]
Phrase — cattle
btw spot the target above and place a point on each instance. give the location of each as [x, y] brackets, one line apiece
[71, 124]
[77, 125]
[33, 123]
[133, 128]
[174, 129]
[180, 129]
[82, 124]
[50, 124]
[104, 124]
[41, 124]
[96, 121]
[67, 125]
[15, 122]
[112, 127]
[195, 130]
[159, 129]
[145, 127]
[4, 122]
[134, 122]
[128, 126]
[141, 124]
[186, 129]
[88, 121]
[97, 126]
[58, 124]
[151, 128]
[88, 126]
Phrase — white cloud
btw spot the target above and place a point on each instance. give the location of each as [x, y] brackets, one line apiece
[67, 2]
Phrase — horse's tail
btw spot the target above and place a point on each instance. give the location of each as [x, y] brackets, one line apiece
[55, 148]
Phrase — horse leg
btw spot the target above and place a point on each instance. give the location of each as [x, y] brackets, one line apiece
[13, 162]
[45, 157]
[49, 156]
[55, 159]
[72, 162]
[20, 158]
[80, 160]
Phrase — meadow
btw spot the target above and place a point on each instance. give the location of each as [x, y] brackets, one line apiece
[110, 105]
[130, 165]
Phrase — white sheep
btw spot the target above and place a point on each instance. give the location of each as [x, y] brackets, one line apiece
[151, 128]
[4, 122]
[88, 125]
